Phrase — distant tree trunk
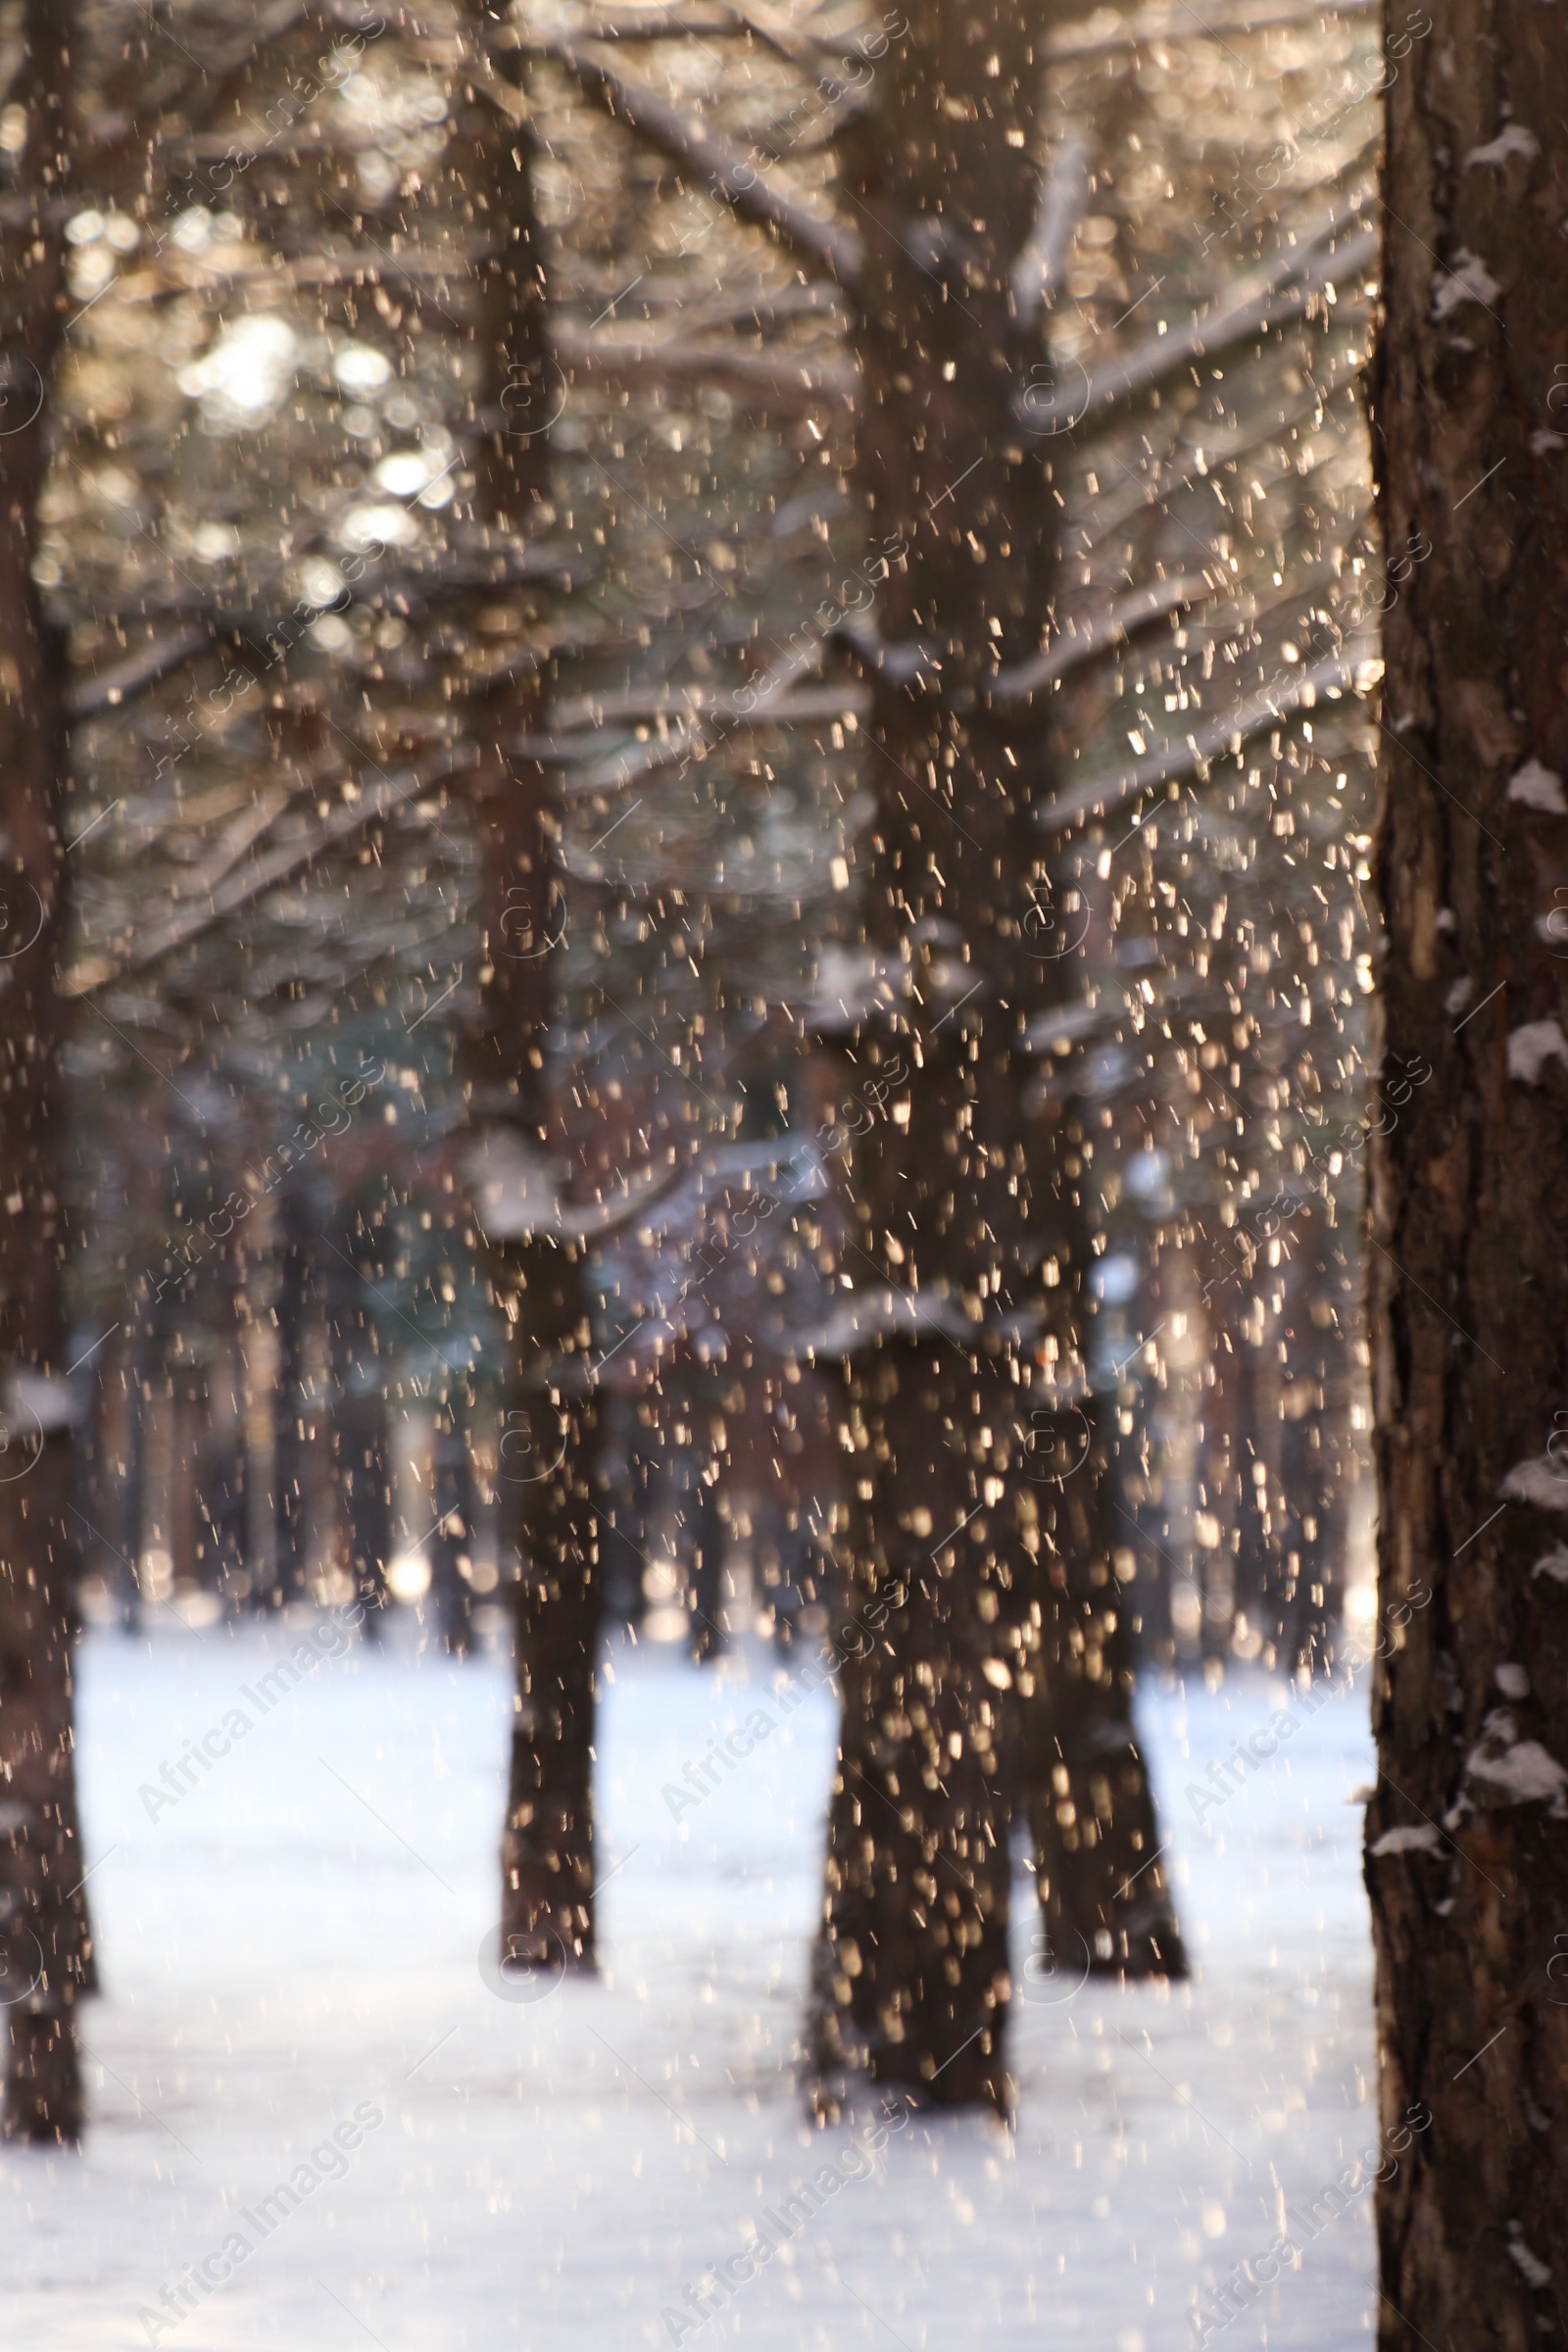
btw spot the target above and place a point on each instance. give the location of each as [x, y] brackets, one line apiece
[1105, 1901]
[260, 1360]
[707, 1535]
[1467, 1836]
[219, 1466]
[365, 1474]
[452, 1538]
[967, 1532]
[42, 1922]
[356, 1272]
[548, 1441]
[293, 1445]
[185, 1420]
[631, 1461]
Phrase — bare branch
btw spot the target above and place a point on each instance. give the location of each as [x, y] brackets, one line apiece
[770, 24]
[629, 23]
[1083, 635]
[773, 26]
[757, 305]
[520, 1191]
[755, 194]
[1273, 295]
[784, 381]
[112, 687]
[240, 48]
[1040, 267]
[1335, 674]
[1111, 29]
[379, 799]
[592, 712]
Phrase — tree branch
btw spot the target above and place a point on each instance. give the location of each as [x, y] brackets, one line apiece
[786, 381]
[241, 887]
[772, 26]
[752, 193]
[1333, 674]
[112, 687]
[1111, 29]
[1083, 635]
[1279, 292]
[1039, 270]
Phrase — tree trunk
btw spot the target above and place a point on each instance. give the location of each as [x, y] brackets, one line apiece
[1104, 1898]
[968, 1537]
[365, 1476]
[548, 1442]
[354, 1275]
[1467, 1853]
[293, 1448]
[42, 1920]
[452, 1537]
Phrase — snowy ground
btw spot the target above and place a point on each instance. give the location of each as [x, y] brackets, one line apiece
[299, 1937]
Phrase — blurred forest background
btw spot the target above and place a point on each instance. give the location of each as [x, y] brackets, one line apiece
[529, 653]
[288, 625]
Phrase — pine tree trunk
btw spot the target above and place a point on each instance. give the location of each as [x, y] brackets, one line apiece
[219, 1458]
[42, 1922]
[354, 1274]
[364, 1477]
[548, 1442]
[912, 1971]
[1467, 1836]
[452, 1538]
[1091, 1810]
[293, 1445]
[969, 1537]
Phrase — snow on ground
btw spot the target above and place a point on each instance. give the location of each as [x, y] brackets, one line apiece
[298, 1940]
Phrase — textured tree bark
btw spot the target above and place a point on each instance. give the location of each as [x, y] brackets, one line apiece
[975, 1478]
[43, 1942]
[353, 1270]
[452, 1538]
[1104, 1900]
[1276, 1452]
[294, 1455]
[1467, 1836]
[364, 1479]
[549, 1441]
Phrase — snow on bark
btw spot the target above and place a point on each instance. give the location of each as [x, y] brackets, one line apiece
[1469, 281]
[1531, 1046]
[1535, 786]
[1421, 1839]
[1541, 1482]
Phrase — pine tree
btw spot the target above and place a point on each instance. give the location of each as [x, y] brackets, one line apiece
[42, 1932]
[1467, 1836]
